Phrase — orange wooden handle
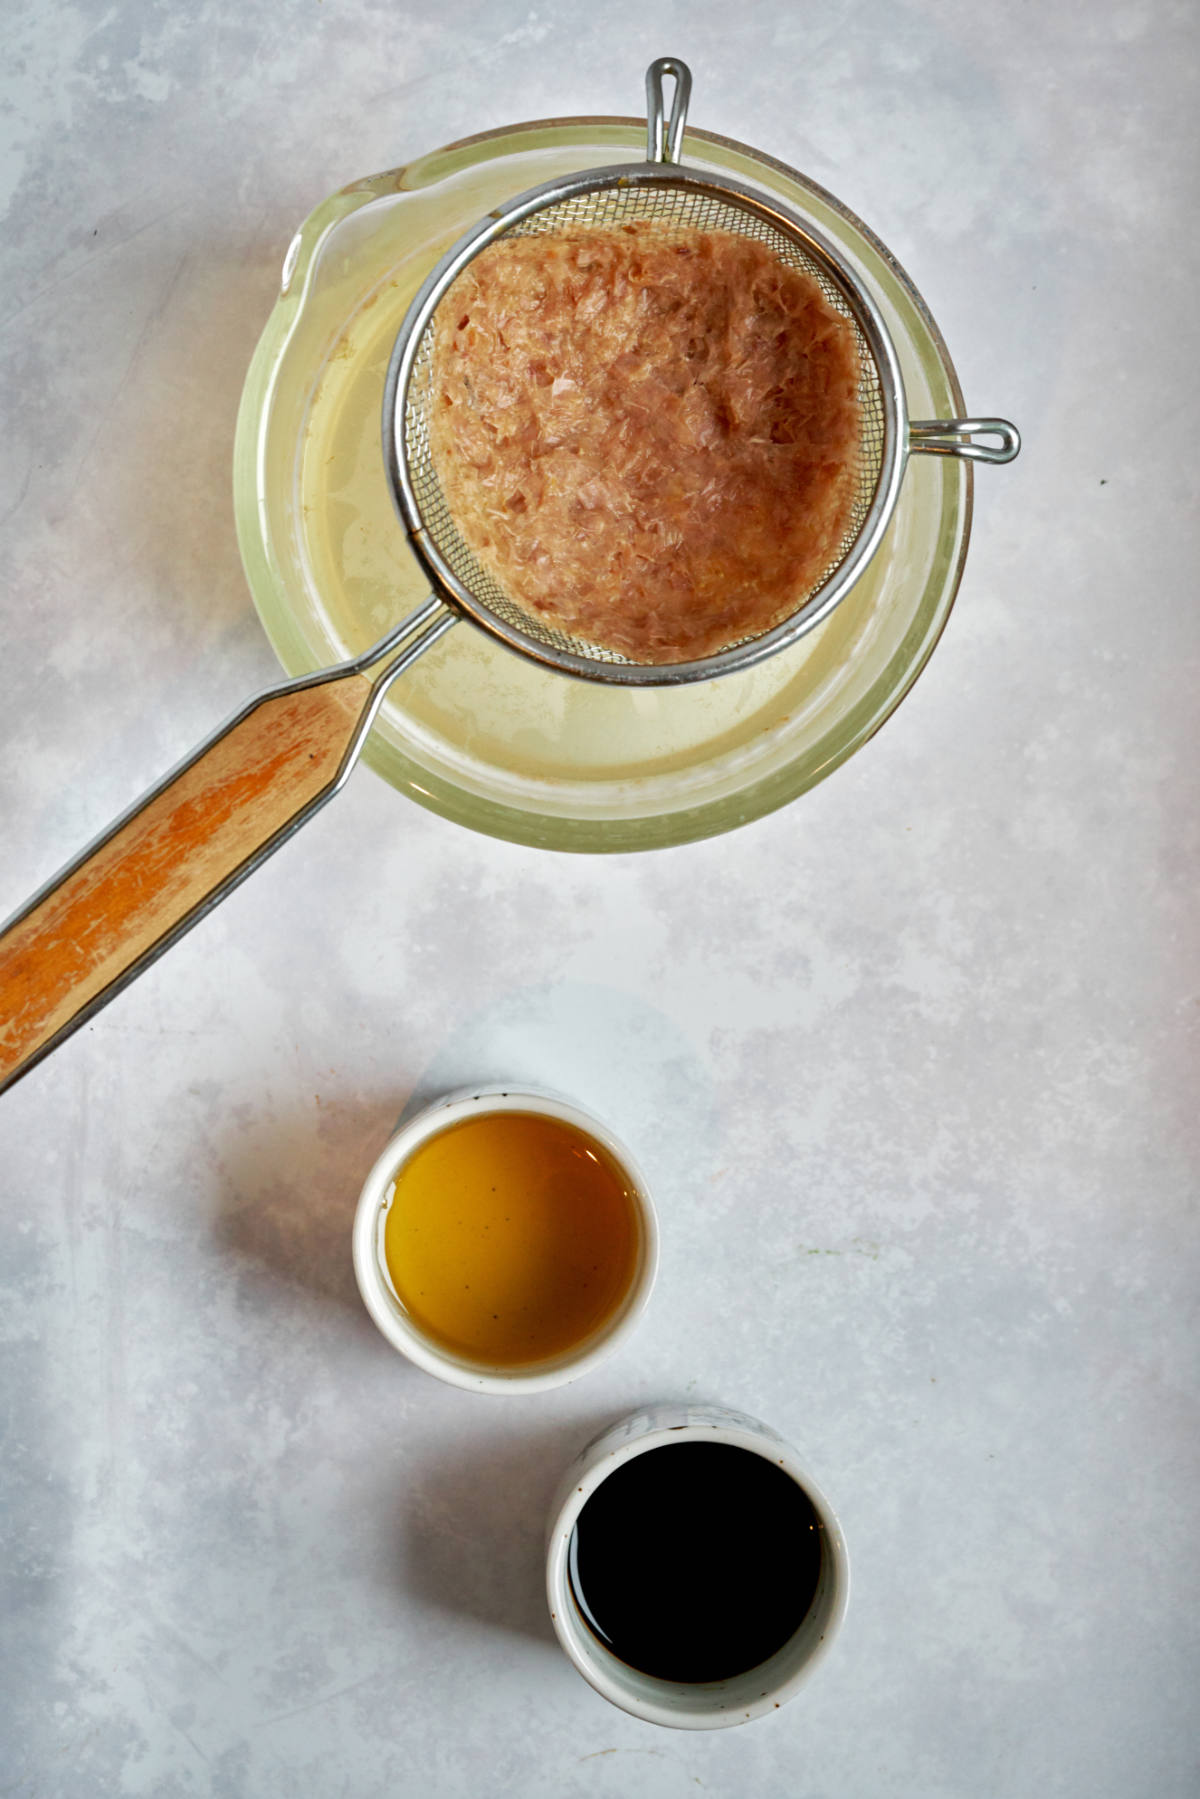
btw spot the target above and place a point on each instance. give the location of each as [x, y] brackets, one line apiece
[159, 867]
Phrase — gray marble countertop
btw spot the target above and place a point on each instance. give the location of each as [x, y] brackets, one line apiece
[911, 1063]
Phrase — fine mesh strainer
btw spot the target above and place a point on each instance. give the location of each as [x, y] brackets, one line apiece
[668, 197]
[215, 818]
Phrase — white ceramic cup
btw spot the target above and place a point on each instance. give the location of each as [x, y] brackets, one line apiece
[379, 1296]
[713, 1704]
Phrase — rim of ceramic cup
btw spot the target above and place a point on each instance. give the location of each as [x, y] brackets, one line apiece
[386, 1308]
[713, 1705]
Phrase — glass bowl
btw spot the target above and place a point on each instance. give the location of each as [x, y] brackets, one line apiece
[473, 731]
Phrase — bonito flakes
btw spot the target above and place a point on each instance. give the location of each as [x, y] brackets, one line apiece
[648, 438]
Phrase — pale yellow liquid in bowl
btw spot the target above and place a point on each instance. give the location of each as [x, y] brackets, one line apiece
[473, 729]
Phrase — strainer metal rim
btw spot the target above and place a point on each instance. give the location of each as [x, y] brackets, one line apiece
[818, 606]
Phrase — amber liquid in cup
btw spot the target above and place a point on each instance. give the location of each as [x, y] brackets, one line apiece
[511, 1238]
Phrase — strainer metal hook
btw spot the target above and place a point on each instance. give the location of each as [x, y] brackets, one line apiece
[664, 142]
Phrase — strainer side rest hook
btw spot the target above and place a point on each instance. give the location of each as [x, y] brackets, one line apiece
[664, 136]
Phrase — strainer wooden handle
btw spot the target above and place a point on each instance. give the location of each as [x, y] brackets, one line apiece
[185, 845]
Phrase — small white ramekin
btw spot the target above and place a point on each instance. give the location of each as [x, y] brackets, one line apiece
[370, 1267]
[714, 1704]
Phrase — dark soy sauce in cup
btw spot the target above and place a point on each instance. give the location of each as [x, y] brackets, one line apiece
[696, 1561]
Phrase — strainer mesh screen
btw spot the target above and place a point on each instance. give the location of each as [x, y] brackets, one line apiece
[667, 209]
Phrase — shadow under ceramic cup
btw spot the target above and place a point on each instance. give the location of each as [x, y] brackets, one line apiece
[819, 1605]
[434, 1352]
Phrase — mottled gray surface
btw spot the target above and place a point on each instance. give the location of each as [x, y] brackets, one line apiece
[912, 1063]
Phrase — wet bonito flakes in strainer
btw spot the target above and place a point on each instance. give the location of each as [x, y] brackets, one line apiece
[646, 435]
[681, 203]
